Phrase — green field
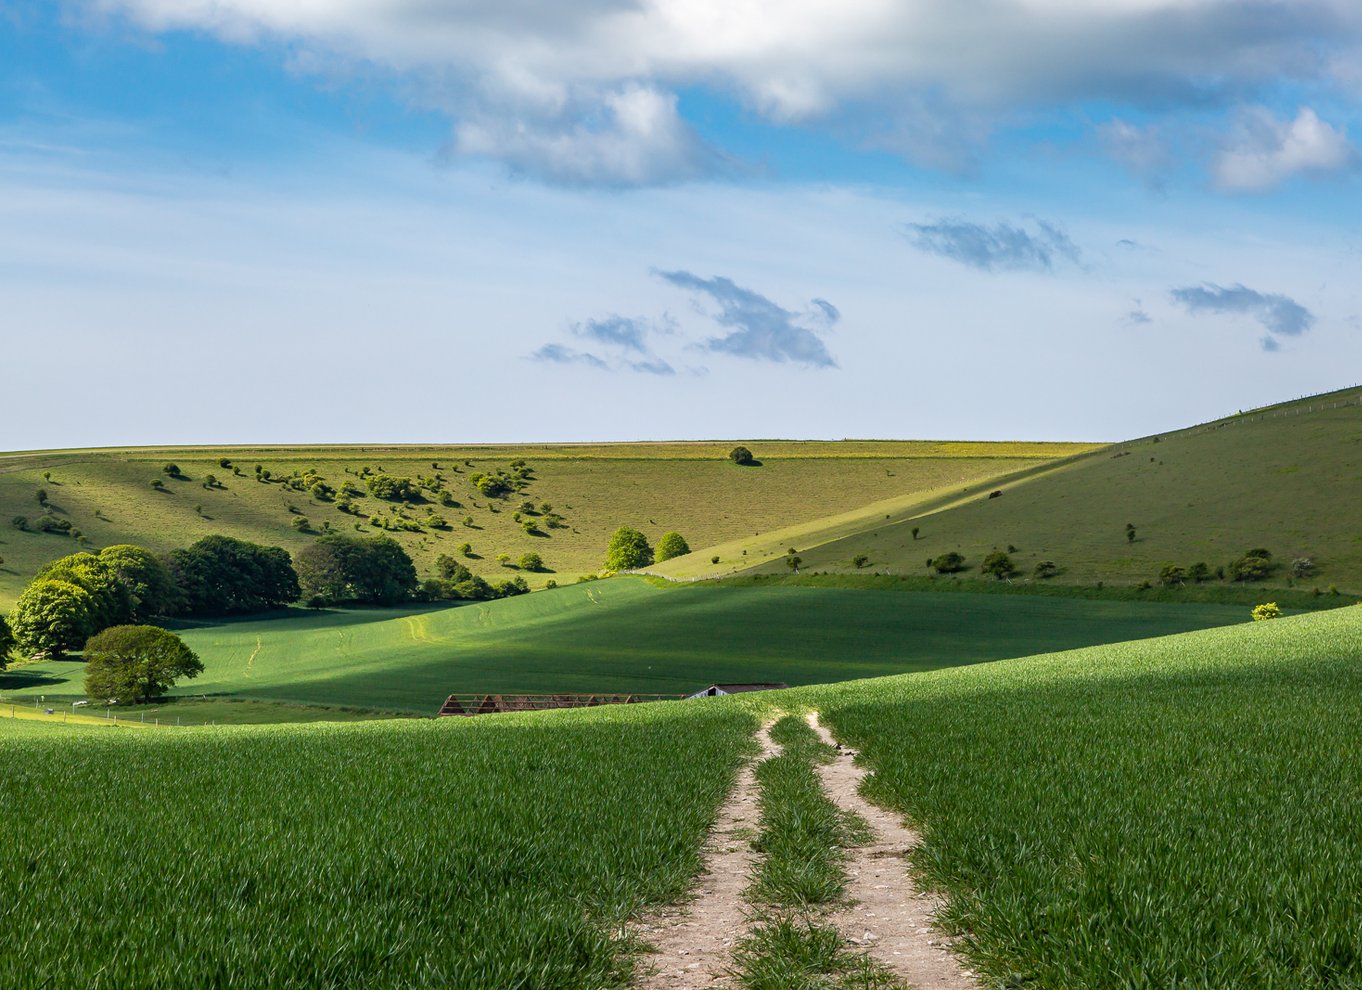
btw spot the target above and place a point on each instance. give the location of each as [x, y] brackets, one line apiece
[461, 853]
[627, 634]
[692, 488]
[1181, 812]
[1282, 478]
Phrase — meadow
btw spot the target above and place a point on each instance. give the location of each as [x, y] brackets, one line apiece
[107, 495]
[475, 853]
[1174, 812]
[624, 634]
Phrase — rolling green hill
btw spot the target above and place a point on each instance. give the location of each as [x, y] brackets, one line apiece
[1172, 812]
[627, 634]
[107, 495]
[1284, 478]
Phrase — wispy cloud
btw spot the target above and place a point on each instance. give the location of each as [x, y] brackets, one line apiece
[1000, 247]
[558, 354]
[1280, 315]
[628, 332]
[760, 329]
[1137, 316]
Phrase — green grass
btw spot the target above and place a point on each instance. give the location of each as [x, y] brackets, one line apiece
[800, 954]
[502, 852]
[691, 487]
[1283, 479]
[627, 634]
[1175, 812]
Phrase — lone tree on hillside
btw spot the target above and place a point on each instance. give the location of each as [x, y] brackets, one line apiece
[531, 561]
[628, 550]
[136, 663]
[1130, 532]
[741, 455]
[671, 545]
[999, 565]
[947, 563]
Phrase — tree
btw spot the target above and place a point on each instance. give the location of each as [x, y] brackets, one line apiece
[221, 575]
[628, 550]
[531, 561]
[1045, 570]
[998, 564]
[792, 561]
[41, 496]
[52, 617]
[1199, 572]
[136, 663]
[1302, 567]
[1171, 574]
[1130, 532]
[110, 602]
[741, 455]
[392, 489]
[860, 560]
[6, 643]
[1253, 566]
[916, 530]
[947, 563]
[672, 545]
[171, 470]
[466, 549]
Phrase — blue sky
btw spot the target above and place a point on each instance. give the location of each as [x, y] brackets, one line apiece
[391, 220]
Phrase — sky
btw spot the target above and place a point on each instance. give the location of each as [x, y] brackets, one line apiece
[297, 221]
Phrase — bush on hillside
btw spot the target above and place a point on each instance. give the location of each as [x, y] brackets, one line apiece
[628, 550]
[1253, 566]
[1045, 570]
[741, 455]
[947, 563]
[672, 545]
[999, 565]
[392, 489]
[1302, 567]
[1199, 572]
[133, 664]
[1171, 574]
[1268, 610]
[531, 561]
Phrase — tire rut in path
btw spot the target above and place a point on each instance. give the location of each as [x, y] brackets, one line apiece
[693, 942]
[889, 918]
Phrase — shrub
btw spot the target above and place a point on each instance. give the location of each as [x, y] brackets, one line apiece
[392, 489]
[1199, 572]
[916, 530]
[998, 564]
[466, 549]
[301, 524]
[1253, 566]
[741, 455]
[224, 462]
[1302, 567]
[171, 470]
[503, 559]
[136, 663]
[792, 562]
[860, 560]
[550, 584]
[947, 563]
[1267, 610]
[628, 550]
[714, 559]
[531, 561]
[158, 484]
[1045, 570]
[672, 545]
[436, 521]
[41, 496]
[493, 485]
[1171, 574]
[20, 523]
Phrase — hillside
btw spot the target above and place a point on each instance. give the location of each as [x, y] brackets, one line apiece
[1282, 478]
[107, 495]
[624, 634]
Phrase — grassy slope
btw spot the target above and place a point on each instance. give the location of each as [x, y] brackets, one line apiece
[656, 487]
[458, 854]
[627, 634]
[1176, 812]
[1285, 479]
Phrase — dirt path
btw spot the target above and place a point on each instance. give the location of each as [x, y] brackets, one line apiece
[889, 918]
[693, 942]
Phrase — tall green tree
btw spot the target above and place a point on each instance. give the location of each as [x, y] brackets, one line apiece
[110, 601]
[150, 585]
[628, 549]
[672, 545]
[52, 617]
[6, 643]
[339, 568]
[136, 663]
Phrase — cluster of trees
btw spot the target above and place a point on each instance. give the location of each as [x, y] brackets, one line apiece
[1255, 565]
[457, 583]
[339, 568]
[947, 563]
[629, 549]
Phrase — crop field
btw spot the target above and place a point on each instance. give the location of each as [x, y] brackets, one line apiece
[1282, 479]
[107, 495]
[628, 634]
[1177, 812]
[502, 852]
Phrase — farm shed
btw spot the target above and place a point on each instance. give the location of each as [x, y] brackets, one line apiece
[718, 690]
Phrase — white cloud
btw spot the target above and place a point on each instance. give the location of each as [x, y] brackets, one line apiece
[552, 68]
[1265, 151]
